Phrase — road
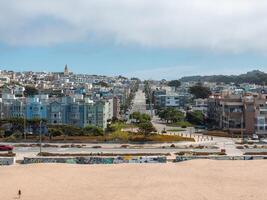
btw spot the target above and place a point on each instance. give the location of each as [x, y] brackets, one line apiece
[111, 148]
[139, 102]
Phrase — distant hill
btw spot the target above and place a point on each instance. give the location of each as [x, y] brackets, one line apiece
[255, 76]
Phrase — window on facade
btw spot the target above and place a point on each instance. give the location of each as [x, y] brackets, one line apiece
[55, 122]
[55, 115]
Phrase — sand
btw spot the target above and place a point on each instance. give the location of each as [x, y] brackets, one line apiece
[191, 180]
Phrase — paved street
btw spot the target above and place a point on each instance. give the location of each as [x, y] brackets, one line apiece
[139, 102]
[110, 148]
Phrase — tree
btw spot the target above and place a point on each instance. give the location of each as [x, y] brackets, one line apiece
[195, 117]
[140, 117]
[200, 91]
[17, 124]
[34, 124]
[171, 115]
[174, 83]
[53, 132]
[70, 130]
[146, 128]
[102, 84]
[30, 91]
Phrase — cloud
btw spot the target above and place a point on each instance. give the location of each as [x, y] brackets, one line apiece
[215, 25]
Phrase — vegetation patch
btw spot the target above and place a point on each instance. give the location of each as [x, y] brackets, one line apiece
[47, 154]
[9, 154]
[256, 153]
[182, 124]
[182, 153]
[176, 130]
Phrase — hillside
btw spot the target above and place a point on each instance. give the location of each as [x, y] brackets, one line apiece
[256, 76]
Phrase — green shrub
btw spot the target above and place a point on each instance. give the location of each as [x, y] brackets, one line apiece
[93, 130]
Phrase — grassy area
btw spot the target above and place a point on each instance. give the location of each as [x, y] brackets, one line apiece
[256, 153]
[168, 138]
[120, 125]
[182, 153]
[9, 154]
[183, 124]
[176, 130]
[115, 134]
[112, 137]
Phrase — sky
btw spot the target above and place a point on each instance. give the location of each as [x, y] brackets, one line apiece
[149, 39]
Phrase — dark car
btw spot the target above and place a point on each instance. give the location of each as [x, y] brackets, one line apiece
[6, 148]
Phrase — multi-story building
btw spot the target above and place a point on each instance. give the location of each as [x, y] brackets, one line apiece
[200, 105]
[116, 107]
[56, 113]
[35, 109]
[171, 100]
[245, 114]
[96, 113]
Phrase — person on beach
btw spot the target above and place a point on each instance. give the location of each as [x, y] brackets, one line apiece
[19, 193]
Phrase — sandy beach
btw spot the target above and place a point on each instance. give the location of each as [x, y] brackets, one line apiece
[191, 180]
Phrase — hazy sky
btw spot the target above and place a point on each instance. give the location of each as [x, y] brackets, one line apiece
[145, 38]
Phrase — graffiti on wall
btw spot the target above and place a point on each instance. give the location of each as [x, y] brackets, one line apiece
[96, 160]
[7, 161]
[184, 158]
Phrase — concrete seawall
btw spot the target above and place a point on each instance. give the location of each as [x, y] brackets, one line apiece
[96, 160]
[184, 158]
[7, 160]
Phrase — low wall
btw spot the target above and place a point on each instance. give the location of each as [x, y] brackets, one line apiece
[96, 160]
[7, 160]
[184, 158]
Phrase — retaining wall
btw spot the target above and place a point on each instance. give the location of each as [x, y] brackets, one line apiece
[7, 160]
[95, 160]
[184, 158]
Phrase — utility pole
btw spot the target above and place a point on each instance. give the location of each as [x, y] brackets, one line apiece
[25, 127]
[40, 135]
[242, 133]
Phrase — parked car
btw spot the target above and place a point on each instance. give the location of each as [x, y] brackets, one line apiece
[6, 148]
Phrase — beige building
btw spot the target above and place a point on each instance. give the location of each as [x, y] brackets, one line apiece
[239, 113]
